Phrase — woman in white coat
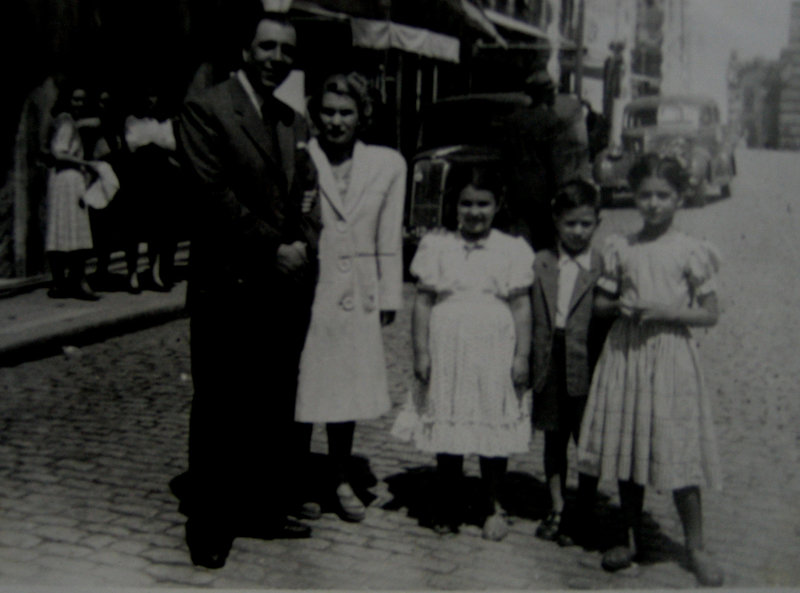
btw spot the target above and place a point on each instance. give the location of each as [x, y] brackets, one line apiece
[361, 189]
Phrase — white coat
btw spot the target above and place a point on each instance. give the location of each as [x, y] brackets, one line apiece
[343, 368]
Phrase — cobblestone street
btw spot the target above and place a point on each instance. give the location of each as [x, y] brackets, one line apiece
[89, 440]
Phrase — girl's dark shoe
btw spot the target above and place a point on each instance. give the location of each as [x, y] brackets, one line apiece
[708, 573]
[549, 528]
[350, 507]
[618, 558]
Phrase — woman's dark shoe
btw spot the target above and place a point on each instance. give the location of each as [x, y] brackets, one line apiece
[208, 546]
[350, 507]
[549, 528]
[708, 573]
[618, 558]
[308, 510]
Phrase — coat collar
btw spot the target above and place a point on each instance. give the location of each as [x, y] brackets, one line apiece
[327, 181]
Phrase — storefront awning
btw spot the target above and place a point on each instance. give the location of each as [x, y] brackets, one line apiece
[388, 35]
[431, 28]
[522, 28]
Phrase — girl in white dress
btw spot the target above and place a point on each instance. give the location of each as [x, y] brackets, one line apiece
[648, 420]
[471, 335]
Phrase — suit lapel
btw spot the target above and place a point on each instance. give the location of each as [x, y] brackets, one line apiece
[327, 183]
[261, 133]
[548, 274]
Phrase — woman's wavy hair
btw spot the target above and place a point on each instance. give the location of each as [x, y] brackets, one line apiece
[351, 84]
[667, 168]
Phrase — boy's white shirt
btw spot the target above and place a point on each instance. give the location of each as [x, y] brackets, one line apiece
[568, 268]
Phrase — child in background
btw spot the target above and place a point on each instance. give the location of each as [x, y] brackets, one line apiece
[648, 418]
[471, 336]
[566, 341]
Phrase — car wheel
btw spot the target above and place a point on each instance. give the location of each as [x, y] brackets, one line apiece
[725, 190]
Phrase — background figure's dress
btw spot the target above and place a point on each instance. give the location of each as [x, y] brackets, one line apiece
[648, 417]
[471, 405]
[67, 222]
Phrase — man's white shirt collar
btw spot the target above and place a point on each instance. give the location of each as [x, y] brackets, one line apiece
[584, 260]
[248, 88]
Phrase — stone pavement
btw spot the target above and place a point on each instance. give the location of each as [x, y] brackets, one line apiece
[90, 437]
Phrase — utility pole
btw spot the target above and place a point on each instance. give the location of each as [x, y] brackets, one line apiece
[579, 54]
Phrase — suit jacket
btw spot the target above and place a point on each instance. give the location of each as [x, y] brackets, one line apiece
[244, 203]
[584, 334]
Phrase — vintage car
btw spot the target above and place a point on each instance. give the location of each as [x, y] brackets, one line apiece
[463, 131]
[686, 127]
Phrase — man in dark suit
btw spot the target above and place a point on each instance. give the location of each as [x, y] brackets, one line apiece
[250, 292]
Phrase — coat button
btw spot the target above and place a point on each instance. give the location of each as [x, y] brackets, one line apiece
[341, 226]
[345, 264]
[347, 303]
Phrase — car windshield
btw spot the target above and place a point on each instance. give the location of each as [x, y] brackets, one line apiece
[663, 114]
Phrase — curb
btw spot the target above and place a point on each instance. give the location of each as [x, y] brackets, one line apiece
[44, 345]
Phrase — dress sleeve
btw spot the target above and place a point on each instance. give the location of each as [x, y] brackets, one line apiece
[702, 266]
[521, 273]
[64, 131]
[610, 276]
[425, 264]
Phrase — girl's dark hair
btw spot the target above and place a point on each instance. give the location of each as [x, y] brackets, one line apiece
[664, 167]
[574, 194]
[348, 84]
[485, 178]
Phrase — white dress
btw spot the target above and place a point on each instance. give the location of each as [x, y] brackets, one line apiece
[648, 416]
[471, 405]
[67, 221]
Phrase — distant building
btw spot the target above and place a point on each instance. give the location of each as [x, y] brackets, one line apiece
[754, 99]
[789, 112]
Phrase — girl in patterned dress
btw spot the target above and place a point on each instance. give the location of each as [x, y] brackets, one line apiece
[648, 419]
[471, 334]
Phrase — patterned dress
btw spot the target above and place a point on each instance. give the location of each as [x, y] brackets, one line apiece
[648, 417]
[471, 405]
[67, 221]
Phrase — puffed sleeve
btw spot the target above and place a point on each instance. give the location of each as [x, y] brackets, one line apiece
[521, 272]
[702, 265]
[425, 264]
[610, 276]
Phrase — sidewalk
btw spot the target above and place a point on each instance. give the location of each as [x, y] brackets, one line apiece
[34, 325]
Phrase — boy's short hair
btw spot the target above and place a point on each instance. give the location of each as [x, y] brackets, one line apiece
[574, 194]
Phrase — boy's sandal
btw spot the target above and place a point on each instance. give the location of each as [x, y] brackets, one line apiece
[708, 573]
[549, 528]
[618, 558]
[495, 528]
[350, 506]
